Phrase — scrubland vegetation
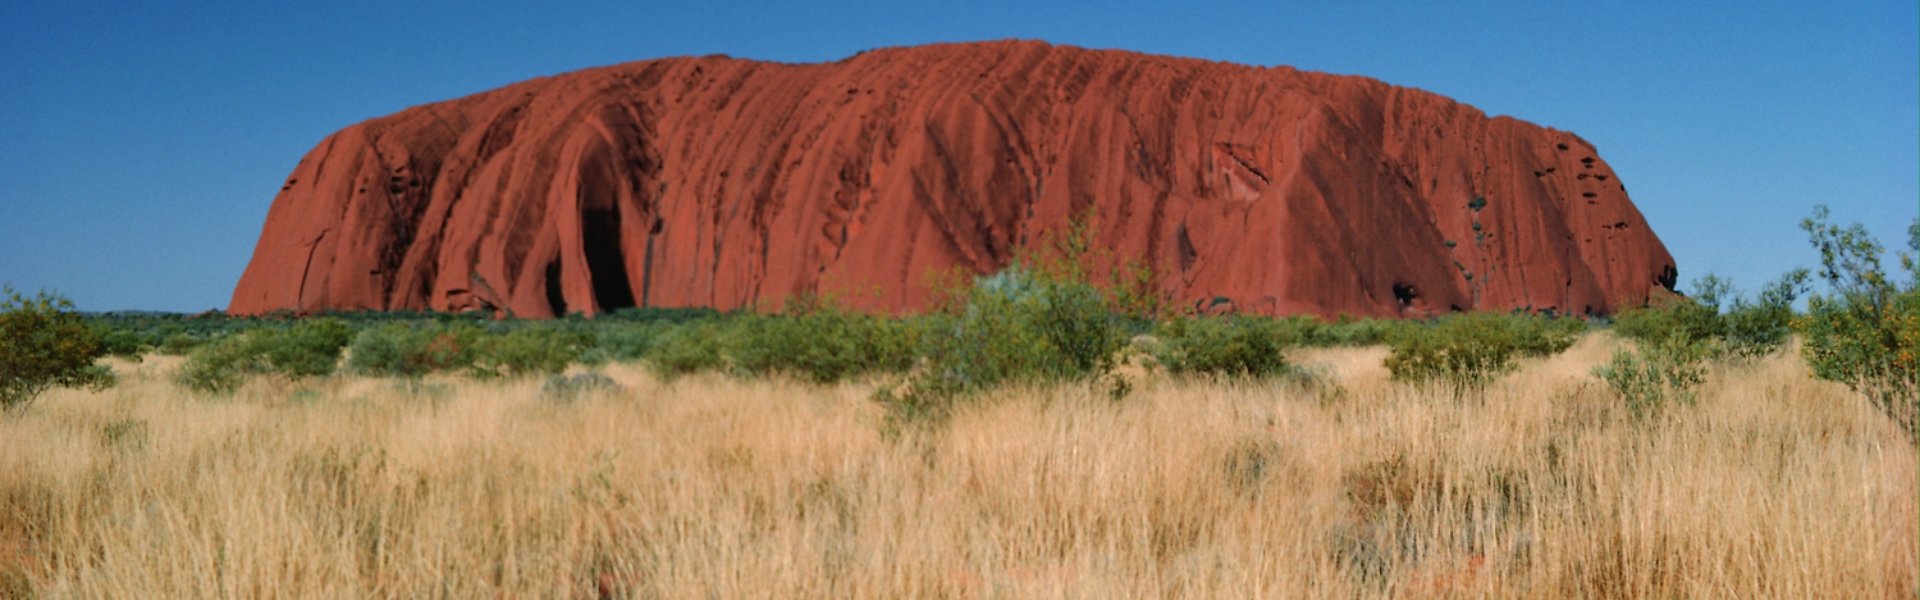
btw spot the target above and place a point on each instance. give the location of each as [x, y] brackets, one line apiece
[1038, 435]
[1338, 483]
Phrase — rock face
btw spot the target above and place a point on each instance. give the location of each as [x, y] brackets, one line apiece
[736, 183]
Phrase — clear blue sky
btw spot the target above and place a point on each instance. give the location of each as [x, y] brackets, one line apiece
[141, 144]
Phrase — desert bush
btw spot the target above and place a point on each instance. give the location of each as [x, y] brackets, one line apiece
[1752, 329]
[43, 345]
[1040, 320]
[122, 343]
[309, 348]
[1690, 319]
[178, 344]
[1311, 332]
[1536, 335]
[1230, 346]
[567, 388]
[818, 342]
[684, 348]
[1865, 331]
[620, 342]
[1468, 350]
[1725, 323]
[1655, 373]
[128, 334]
[1135, 293]
[529, 351]
[403, 350]
[1017, 326]
[219, 367]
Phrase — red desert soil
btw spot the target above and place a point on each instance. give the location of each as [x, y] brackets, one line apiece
[737, 183]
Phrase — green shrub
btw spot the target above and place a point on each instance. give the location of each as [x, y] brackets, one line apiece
[44, 344]
[1468, 350]
[1029, 328]
[309, 348]
[621, 342]
[1686, 319]
[1758, 328]
[1724, 323]
[1310, 332]
[1229, 346]
[178, 344]
[1650, 376]
[530, 351]
[684, 348]
[402, 350]
[130, 333]
[1017, 326]
[818, 343]
[122, 343]
[1865, 331]
[220, 367]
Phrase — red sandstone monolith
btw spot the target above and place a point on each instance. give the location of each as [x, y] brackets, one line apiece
[733, 183]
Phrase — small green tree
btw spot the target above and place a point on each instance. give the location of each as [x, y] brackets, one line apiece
[1865, 331]
[43, 345]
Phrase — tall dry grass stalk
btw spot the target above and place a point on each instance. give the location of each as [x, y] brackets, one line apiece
[1773, 485]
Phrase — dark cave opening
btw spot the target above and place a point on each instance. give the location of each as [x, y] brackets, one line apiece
[607, 266]
[555, 298]
[1405, 294]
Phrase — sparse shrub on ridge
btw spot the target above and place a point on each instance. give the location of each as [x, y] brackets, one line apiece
[1725, 323]
[1674, 340]
[1760, 327]
[43, 345]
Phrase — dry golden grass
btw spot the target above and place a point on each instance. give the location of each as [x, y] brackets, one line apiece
[1774, 485]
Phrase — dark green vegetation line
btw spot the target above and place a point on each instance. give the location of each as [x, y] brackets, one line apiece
[1044, 320]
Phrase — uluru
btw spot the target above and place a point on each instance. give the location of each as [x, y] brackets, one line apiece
[730, 183]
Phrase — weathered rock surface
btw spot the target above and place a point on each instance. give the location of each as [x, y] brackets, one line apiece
[736, 183]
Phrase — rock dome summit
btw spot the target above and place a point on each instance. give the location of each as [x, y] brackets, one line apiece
[731, 183]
